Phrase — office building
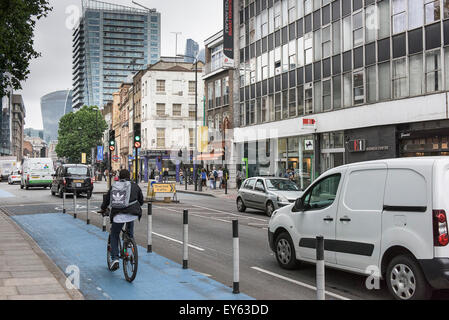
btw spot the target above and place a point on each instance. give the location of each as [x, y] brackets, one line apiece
[53, 106]
[323, 83]
[110, 43]
[192, 51]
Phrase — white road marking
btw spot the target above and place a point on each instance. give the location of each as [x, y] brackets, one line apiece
[177, 241]
[232, 214]
[299, 283]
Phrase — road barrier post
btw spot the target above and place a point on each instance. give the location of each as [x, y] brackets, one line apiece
[185, 236]
[63, 202]
[74, 204]
[87, 210]
[150, 227]
[104, 223]
[235, 244]
[320, 281]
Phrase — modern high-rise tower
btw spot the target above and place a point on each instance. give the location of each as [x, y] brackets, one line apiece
[53, 106]
[192, 50]
[110, 43]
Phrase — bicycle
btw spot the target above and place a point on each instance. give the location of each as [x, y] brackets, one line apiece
[127, 252]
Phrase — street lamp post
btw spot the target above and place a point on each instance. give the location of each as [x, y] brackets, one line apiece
[195, 154]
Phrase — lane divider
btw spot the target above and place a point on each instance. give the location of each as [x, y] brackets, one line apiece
[305, 285]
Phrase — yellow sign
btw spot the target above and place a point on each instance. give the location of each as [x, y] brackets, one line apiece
[83, 158]
[203, 138]
[164, 188]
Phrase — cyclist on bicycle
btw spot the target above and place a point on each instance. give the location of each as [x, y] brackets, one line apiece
[125, 204]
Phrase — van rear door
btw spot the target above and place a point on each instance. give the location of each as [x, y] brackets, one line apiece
[441, 200]
[359, 217]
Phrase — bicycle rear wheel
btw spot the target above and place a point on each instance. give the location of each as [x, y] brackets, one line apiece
[130, 259]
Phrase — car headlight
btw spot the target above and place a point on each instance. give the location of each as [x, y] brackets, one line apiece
[282, 199]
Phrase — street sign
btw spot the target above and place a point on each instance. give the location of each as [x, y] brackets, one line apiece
[100, 153]
[83, 158]
[308, 145]
[164, 188]
[115, 158]
[308, 123]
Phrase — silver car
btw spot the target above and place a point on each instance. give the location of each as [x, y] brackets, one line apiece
[267, 193]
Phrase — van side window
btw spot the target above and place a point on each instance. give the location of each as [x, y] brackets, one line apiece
[323, 194]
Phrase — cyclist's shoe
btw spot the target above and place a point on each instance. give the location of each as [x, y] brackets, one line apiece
[115, 265]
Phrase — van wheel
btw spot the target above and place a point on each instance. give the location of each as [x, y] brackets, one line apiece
[405, 279]
[269, 209]
[285, 252]
[240, 205]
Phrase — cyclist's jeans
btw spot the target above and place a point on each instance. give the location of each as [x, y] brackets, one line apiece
[115, 236]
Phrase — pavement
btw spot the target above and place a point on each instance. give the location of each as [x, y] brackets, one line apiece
[26, 272]
[101, 187]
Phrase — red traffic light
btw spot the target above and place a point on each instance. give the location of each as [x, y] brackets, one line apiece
[137, 144]
[112, 148]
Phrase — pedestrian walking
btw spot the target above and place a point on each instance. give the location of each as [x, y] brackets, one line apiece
[181, 176]
[220, 178]
[239, 177]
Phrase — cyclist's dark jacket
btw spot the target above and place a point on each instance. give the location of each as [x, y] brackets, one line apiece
[134, 209]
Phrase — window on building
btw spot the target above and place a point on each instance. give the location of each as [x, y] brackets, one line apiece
[400, 84]
[278, 106]
[160, 109]
[415, 14]
[177, 110]
[264, 110]
[370, 24]
[347, 34]
[327, 95]
[308, 100]
[285, 104]
[192, 111]
[433, 71]
[218, 92]
[326, 42]
[336, 92]
[383, 10]
[384, 81]
[431, 10]
[242, 114]
[192, 87]
[336, 38]
[308, 45]
[371, 84]
[347, 90]
[226, 91]
[300, 100]
[416, 74]
[399, 19]
[292, 103]
[292, 55]
[210, 95]
[277, 15]
[191, 137]
[160, 86]
[317, 98]
[359, 87]
[317, 45]
[357, 29]
[160, 135]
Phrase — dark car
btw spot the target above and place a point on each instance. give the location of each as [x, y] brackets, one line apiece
[71, 178]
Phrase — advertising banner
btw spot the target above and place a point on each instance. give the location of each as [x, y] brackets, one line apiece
[100, 153]
[228, 33]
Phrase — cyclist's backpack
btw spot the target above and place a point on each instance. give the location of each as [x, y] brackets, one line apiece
[120, 194]
[215, 174]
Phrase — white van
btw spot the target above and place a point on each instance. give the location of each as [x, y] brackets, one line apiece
[385, 215]
[37, 172]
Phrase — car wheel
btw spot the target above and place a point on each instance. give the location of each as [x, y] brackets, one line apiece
[405, 279]
[269, 208]
[240, 205]
[285, 252]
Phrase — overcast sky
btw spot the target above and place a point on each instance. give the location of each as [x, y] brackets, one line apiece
[196, 19]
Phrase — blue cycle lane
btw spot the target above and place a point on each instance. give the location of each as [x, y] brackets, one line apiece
[71, 242]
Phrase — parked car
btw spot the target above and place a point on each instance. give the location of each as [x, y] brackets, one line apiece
[14, 177]
[267, 193]
[385, 215]
[71, 178]
[36, 172]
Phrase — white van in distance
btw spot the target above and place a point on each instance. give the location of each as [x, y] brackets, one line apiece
[385, 214]
[37, 172]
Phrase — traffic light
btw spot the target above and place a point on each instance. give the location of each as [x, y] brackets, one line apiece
[112, 140]
[137, 137]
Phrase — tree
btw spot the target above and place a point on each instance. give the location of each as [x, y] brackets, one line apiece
[17, 23]
[79, 132]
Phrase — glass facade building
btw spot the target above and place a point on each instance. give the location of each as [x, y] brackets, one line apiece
[110, 43]
[53, 106]
[372, 61]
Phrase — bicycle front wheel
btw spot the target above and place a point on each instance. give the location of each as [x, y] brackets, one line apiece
[130, 260]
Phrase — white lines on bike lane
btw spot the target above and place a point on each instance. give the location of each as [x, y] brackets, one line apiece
[299, 283]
